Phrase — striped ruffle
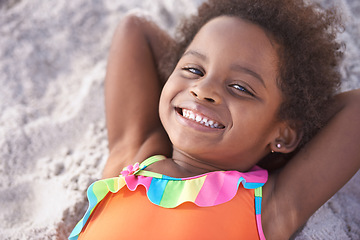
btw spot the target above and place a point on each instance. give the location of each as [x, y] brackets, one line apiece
[205, 190]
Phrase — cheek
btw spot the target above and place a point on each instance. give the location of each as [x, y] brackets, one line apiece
[165, 103]
[174, 87]
[169, 87]
[252, 123]
[166, 93]
[163, 106]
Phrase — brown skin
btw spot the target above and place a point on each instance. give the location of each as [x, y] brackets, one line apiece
[132, 92]
[309, 52]
[292, 194]
[232, 84]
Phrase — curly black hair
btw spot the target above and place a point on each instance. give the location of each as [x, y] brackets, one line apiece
[309, 53]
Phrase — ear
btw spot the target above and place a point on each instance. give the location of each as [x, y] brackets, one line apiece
[287, 140]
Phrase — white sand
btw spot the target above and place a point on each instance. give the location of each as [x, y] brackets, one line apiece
[52, 128]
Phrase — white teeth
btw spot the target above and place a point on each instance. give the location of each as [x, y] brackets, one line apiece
[205, 122]
[198, 118]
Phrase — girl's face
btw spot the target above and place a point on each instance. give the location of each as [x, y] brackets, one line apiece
[220, 105]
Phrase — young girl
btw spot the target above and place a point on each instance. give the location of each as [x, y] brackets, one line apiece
[251, 83]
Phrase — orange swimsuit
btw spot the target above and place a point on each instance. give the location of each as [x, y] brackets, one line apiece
[215, 205]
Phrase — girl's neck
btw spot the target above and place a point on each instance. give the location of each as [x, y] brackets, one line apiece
[191, 165]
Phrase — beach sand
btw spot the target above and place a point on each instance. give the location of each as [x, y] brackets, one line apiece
[52, 124]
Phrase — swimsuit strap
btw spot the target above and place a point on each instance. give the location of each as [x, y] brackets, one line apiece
[147, 162]
[258, 199]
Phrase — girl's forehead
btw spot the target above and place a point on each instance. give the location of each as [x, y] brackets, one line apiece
[235, 28]
[233, 40]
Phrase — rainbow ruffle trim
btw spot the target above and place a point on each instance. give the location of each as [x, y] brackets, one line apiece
[205, 190]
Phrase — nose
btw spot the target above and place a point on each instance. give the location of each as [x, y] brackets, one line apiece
[206, 90]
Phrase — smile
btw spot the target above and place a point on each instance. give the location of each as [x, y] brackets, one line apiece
[200, 119]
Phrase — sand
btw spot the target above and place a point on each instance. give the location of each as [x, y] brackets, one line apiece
[52, 125]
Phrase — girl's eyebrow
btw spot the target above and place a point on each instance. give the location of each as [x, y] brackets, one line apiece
[197, 54]
[239, 68]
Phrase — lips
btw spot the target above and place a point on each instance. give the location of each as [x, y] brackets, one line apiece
[199, 118]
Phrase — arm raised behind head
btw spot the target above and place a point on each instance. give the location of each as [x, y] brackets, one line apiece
[317, 172]
[132, 91]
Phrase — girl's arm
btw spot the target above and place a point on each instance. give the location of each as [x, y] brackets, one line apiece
[132, 91]
[317, 172]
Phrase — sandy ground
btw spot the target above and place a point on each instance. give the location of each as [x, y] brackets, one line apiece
[52, 128]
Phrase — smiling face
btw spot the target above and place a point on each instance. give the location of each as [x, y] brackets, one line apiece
[220, 104]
